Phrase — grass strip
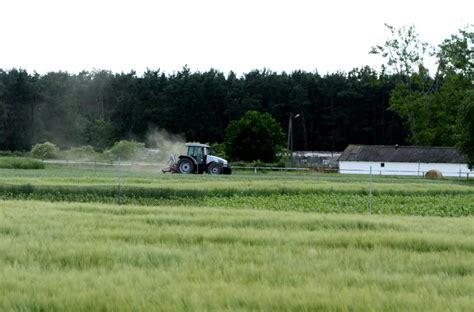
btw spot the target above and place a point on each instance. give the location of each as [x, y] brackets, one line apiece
[447, 203]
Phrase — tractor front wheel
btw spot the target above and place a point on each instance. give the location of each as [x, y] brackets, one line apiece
[214, 169]
[185, 166]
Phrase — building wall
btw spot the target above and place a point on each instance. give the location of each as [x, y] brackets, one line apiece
[408, 169]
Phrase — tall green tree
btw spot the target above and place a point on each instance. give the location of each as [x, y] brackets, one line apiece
[18, 101]
[403, 50]
[57, 114]
[429, 105]
[97, 133]
[466, 128]
[257, 136]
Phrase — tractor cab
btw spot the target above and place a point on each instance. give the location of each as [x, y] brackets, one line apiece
[198, 151]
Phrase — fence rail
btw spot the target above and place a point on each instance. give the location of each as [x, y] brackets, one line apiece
[256, 169]
[128, 164]
[270, 168]
[416, 173]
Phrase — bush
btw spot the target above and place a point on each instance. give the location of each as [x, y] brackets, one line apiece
[45, 150]
[127, 150]
[86, 152]
[14, 153]
[255, 136]
[105, 156]
[20, 163]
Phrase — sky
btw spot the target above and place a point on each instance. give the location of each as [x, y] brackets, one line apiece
[239, 36]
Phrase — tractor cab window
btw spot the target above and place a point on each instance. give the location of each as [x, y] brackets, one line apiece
[192, 151]
[197, 152]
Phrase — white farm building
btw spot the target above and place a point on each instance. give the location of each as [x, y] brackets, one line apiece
[403, 160]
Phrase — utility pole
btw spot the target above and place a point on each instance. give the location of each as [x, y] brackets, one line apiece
[290, 136]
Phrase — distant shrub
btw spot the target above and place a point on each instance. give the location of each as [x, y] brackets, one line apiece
[20, 163]
[14, 154]
[105, 156]
[45, 150]
[127, 150]
[85, 152]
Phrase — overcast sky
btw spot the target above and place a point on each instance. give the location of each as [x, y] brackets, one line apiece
[241, 35]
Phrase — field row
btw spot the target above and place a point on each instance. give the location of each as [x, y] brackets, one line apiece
[427, 203]
[153, 178]
[84, 257]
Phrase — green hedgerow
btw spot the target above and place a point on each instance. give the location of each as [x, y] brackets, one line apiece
[20, 163]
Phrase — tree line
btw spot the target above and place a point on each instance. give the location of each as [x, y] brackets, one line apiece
[400, 104]
[98, 108]
[438, 109]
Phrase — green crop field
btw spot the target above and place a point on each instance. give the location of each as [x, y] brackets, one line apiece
[98, 239]
[306, 192]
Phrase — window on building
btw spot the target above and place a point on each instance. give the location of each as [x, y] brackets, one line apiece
[382, 165]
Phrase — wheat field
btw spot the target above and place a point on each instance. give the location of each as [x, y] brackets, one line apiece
[268, 242]
[97, 257]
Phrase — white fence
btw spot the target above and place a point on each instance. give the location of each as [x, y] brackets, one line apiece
[256, 169]
[413, 173]
[159, 165]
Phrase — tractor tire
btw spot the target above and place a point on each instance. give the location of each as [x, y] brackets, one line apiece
[185, 166]
[214, 168]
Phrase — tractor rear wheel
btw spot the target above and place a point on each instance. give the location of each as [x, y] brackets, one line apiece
[185, 166]
[214, 169]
